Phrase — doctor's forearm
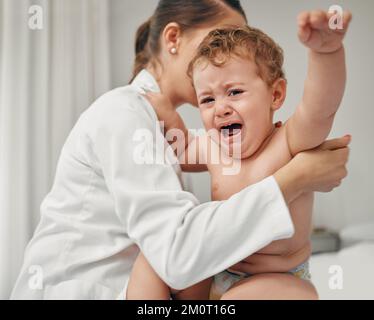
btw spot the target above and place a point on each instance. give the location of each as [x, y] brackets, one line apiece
[186, 258]
[289, 183]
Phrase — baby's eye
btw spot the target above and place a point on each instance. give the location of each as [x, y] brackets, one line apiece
[235, 92]
[206, 100]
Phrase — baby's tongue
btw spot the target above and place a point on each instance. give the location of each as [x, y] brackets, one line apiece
[231, 130]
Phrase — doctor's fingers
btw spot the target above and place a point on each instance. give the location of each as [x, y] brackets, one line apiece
[335, 144]
[259, 265]
[341, 156]
[241, 267]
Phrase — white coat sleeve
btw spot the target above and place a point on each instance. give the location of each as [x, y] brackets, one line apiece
[184, 241]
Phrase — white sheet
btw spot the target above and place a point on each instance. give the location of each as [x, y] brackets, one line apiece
[357, 263]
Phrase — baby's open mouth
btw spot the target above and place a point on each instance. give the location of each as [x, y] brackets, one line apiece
[231, 130]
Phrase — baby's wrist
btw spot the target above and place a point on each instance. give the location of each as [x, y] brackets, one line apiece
[324, 53]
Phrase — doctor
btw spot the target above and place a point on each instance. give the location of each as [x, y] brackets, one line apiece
[103, 206]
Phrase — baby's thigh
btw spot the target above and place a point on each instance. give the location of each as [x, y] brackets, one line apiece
[271, 286]
[145, 283]
[199, 291]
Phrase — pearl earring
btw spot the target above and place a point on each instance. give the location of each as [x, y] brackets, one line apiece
[173, 50]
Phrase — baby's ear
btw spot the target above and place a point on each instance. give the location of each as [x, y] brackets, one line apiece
[279, 92]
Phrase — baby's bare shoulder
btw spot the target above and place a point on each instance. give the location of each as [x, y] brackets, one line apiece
[276, 152]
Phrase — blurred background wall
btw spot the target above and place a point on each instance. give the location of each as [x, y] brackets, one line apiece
[49, 76]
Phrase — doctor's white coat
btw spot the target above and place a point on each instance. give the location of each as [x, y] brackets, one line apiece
[103, 207]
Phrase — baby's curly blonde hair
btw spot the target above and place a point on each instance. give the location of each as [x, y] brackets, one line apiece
[245, 42]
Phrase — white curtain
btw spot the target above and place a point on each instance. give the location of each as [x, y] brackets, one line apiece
[48, 76]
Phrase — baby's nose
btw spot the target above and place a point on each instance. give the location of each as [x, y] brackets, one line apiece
[224, 111]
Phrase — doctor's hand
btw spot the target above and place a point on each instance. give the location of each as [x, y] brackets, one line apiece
[321, 169]
[264, 263]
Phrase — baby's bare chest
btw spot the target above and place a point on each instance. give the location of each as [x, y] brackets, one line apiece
[225, 183]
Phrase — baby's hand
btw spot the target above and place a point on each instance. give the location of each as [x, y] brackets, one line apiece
[316, 34]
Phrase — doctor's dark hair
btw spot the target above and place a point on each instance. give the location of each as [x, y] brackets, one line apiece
[188, 14]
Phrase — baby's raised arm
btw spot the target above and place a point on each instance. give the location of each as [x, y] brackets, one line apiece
[324, 86]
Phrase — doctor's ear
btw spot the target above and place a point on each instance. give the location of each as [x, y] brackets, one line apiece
[171, 37]
[279, 91]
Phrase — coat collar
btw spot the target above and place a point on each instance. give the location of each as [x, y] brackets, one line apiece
[146, 82]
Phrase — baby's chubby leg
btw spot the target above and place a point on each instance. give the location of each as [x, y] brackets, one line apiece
[199, 291]
[272, 286]
[145, 284]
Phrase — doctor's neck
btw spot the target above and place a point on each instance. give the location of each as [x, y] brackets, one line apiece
[167, 86]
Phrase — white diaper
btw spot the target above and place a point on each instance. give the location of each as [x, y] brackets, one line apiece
[224, 280]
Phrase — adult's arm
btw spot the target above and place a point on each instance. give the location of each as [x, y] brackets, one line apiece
[184, 241]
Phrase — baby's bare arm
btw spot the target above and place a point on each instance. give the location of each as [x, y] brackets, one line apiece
[325, 82]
